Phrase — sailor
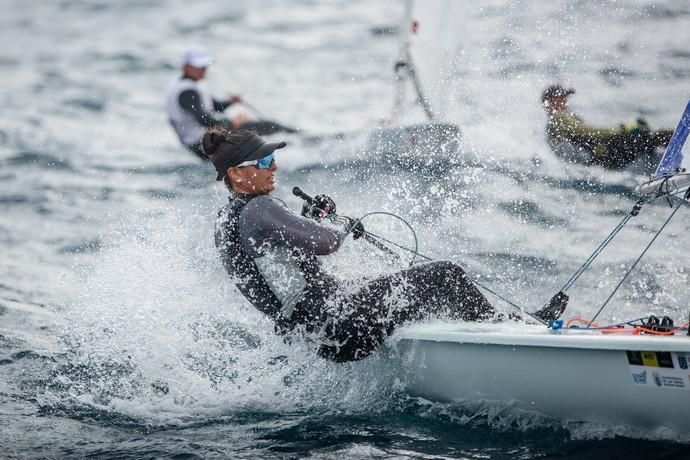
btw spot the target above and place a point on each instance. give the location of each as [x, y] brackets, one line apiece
[191, 111]
[273, 255]
[611, 147]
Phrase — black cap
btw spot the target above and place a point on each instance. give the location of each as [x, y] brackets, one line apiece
[556, 91]
[230, 148]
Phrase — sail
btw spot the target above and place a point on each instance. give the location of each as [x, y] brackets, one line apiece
[672, 173]
[673, 157]
[428, 47]
[434, 31]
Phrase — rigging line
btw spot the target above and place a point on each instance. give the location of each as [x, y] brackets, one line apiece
[414, 234]
[393, 243]
[632, 267]
[585, 266]
[509, 302]
[423, 101]
[481, 285]
[595, 254]
[676, 195]
[486, 288]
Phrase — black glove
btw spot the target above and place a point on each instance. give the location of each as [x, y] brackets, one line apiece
[322, 206]
[357, 229]
[636, 125]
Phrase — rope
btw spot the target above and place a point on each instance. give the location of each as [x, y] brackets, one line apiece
[578, 273]
[591, 325]
[512, 304]
[619, 328]
[671, 332]
[632, 267]
[416, 253]
[675, 195]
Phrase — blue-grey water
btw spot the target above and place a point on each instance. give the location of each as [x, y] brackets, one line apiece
[120, 333]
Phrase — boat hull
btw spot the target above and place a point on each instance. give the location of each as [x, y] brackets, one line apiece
[412, 145]
[568, 376]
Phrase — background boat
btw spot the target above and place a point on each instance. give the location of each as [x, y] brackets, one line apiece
[427, 74]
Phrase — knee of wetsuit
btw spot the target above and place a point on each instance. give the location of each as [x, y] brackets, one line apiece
[442, 264]
[452, 269]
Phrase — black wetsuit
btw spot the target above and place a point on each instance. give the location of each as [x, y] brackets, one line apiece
[190, 101]
[629, 147]
[615, 147]
[272, 254]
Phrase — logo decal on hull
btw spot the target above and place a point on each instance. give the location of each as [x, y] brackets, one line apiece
[651, 359]
[660, 370]
[641, 378]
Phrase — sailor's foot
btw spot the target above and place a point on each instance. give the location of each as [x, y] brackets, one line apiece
[554, 309]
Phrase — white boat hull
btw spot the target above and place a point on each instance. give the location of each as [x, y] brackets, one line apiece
[571, 376]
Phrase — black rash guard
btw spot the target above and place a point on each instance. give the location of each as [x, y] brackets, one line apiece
[190, 101]
[272, 253]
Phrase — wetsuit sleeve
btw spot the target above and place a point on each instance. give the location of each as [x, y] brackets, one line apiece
[220, 106]
[280, 224]
[568, 127]
[190, 101]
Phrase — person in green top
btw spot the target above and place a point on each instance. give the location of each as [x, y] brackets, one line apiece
[611, 147]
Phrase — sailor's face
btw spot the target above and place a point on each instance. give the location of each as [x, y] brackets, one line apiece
[256, 181]
[557, 103]
[195, 73]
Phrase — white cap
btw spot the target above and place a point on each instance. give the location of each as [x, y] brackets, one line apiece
[196, 56]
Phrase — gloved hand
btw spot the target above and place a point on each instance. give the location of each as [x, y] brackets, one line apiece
[636, 125]
[357, 229]
[321, 207]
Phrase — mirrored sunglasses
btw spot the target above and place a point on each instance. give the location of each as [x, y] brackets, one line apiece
[265, 162]
[261, 163]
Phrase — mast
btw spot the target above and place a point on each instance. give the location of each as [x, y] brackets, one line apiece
[400, 67]
[404, 67]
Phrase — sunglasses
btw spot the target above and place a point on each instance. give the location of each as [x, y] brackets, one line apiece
[262, 163]
[265, 162]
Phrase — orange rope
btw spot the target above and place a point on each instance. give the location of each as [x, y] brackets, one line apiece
[577, 319]
[671, 332]
[621, 330]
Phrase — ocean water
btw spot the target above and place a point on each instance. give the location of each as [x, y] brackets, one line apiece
[120, 333]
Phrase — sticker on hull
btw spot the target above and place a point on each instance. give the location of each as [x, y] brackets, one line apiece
[659, 369]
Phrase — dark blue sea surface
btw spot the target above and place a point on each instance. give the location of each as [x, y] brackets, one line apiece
[121, 335]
